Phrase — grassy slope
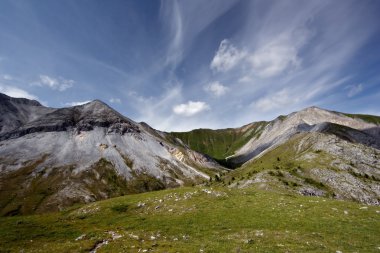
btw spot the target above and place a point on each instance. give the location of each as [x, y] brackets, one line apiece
[280, 159]
[286, 168]
[219, 143]
[368, 118]
[24, 192]
[192, 220]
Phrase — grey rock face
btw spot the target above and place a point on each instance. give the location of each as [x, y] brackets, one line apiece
[52, 158]
[327, 154]
[321, 164]
[15, 112]
[81, 118]
[311, 119]
[39, 144]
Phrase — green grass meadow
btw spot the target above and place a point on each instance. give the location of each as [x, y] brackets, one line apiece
[199, 219]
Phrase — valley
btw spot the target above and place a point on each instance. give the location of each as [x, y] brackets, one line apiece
[88, 179]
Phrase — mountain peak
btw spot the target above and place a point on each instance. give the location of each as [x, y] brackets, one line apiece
[96, 102]
[23, 101]
[79, 118]
[313, 108]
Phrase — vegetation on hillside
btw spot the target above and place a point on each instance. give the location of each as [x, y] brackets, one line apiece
[297, 167]
[199, 219]
[26, 191]
[367, 118]
[220, 143]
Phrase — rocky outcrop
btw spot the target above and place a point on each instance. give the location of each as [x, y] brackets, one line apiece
[312, 119]
[16, 112]
[79, 118]
[83, 149]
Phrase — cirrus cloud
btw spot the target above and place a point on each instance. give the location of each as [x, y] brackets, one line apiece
[59, 83]
[7, 77]
[275, 101]
[353, 90]
[271, 60]
[115, 100]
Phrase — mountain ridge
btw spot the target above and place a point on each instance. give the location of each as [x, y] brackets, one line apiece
[88, 152]
[312, 152]
[63, 156]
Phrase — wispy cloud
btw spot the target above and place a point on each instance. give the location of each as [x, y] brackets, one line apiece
[216, 88]
[115, 100]
[275, 101]
[59, 83]
[293, 59]
[77, 103]
[7, 77]
[272, 58]
[16, 92]
[279, 55]
[353, 90]
[227, 57]
[190, 108]
[157, 111]
[172, 17]
[247, 60]
[178, 19]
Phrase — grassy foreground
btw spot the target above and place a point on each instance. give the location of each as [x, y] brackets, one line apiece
[199, 219]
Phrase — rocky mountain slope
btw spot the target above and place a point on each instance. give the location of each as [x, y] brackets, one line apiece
[310, 152]
[312, 119]
[53, 158]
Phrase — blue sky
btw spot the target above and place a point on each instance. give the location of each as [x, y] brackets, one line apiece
[180, 65]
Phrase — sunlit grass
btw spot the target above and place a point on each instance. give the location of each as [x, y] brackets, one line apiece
[199, 219]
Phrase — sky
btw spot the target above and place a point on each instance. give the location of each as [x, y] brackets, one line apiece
[181, 65]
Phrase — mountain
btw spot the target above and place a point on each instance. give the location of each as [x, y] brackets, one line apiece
[312, 119]
[53, 158]
[310, 152]
[17, 111]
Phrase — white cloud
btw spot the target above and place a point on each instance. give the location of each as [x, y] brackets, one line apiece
[227, 57]
[272, 60]
[216, 88]
[16, 92]
[59, 83]
[268, 59]
[115, 100]
[159, 113]
[7, 77]
[354, 90]
[77, 103]
[190, 108]
[280, 53]
[156, 111]
[182, 29]
[276, 101]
